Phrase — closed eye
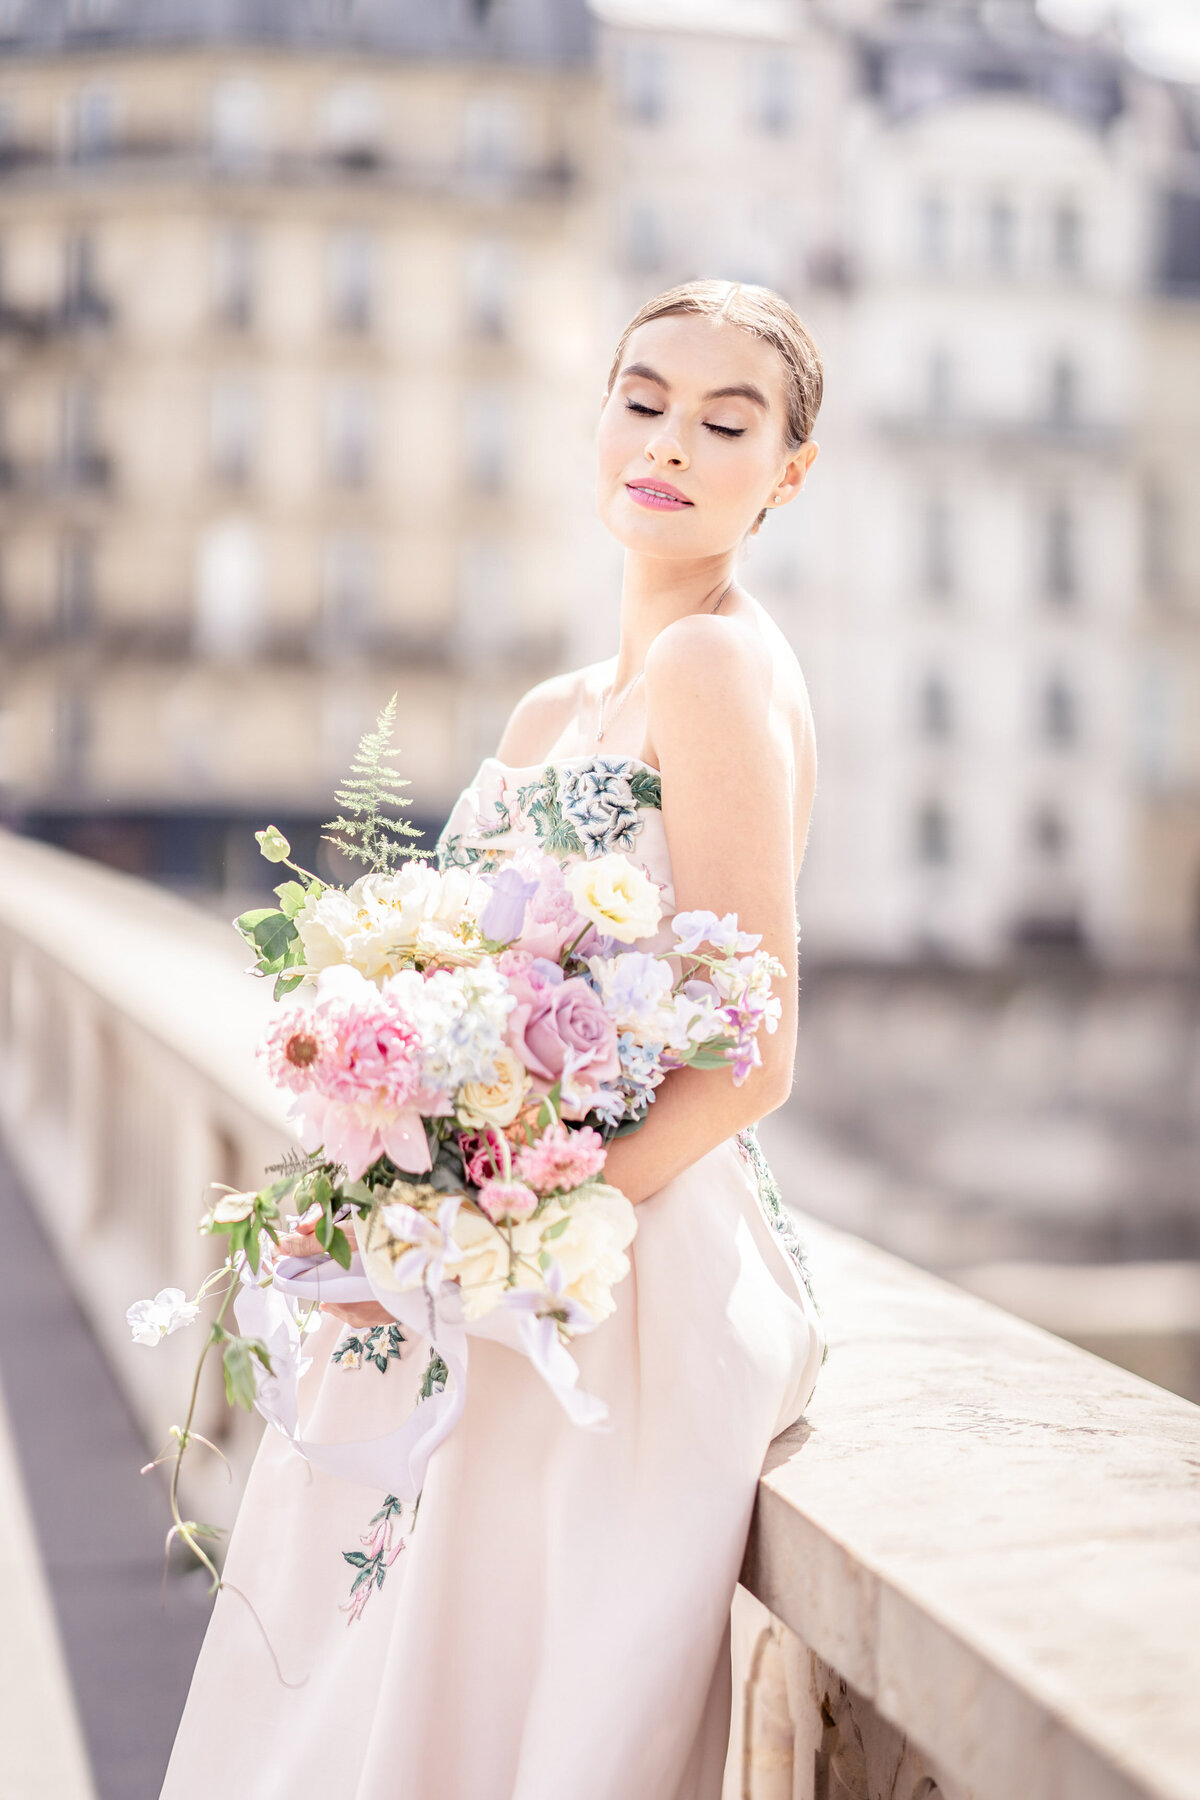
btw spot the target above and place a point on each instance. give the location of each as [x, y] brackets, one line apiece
[731, 431]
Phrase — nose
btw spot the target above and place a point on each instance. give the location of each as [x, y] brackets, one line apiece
[666, 449]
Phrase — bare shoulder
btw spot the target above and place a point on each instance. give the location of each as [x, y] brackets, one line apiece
[711, 682]
[540, 715]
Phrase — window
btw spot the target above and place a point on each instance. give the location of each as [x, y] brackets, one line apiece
[350, 279]
[933, 834]
[239, 122]
[1159, 529]
[486, 434]
[76, 584]
[349, 434]
[1060, 572]
[234, 273]
[1066, 239]
[484, 595]
[1001, 236]
[232, 431]
[940, 383]
[491, 134]
[229, 590]
[933, 231]
[489, 284]
[72, 732]
[1059, 713]
[935, 708]
[772, 92]
[80, 460]
[1048, 834]
[350, 125]
[82, 302]
[642, 81]
[937, 549]
[1063, 392]
[91, 125]
[348, 591]
[643, 238]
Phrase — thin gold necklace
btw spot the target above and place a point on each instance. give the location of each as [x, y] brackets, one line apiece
[602, 728]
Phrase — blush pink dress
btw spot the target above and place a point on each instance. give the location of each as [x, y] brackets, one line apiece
[557, 1623]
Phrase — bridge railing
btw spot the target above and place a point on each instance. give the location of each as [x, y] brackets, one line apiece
[974, 1568]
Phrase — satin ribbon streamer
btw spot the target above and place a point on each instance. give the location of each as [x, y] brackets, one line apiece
[397, 1461]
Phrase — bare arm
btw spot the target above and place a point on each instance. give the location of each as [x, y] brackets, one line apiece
[728, 815]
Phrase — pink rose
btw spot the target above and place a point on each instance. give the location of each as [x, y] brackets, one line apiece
[565, 1020]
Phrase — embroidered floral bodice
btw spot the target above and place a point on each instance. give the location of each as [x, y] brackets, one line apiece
[570, 807]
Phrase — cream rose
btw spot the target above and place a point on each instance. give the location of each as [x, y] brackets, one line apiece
[619, 898]
[483, 1270]
[496, 1102]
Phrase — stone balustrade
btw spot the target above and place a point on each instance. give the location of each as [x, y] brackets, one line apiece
[974, 1568]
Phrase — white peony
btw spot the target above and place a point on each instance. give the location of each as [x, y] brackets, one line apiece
[387, 922]
[591, 1251]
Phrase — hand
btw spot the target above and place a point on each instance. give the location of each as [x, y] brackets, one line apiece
[303, 1242]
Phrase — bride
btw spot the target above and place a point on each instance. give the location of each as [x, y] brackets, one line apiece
[556, 1626]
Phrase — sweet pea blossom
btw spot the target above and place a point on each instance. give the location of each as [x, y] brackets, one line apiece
[503, 916]
[152, 1320]
[696, 928]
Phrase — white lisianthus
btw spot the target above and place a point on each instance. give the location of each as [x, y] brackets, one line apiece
[635, 988]
[230, 1209]
[388, 922]
[616, 896]
[498, 1101]
[152, 1320]
[692, 1019]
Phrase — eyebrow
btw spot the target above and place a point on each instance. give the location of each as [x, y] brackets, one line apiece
[746, 389]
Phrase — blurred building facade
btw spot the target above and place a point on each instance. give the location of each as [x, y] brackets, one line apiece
[291, 304]
[988, 579]
[304, 318]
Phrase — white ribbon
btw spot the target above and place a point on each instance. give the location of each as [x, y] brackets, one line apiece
[397, 1461]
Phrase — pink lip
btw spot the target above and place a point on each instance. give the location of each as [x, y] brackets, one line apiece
[659, 496]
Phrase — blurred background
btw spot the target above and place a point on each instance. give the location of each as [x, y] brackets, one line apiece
[306, 308]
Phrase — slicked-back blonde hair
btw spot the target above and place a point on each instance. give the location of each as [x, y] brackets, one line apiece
[764, 314]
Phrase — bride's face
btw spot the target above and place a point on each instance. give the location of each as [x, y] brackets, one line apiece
[697, 408]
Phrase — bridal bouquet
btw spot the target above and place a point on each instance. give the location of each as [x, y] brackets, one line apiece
[458, 1049]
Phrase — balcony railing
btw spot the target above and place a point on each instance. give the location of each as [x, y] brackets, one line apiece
[974, 1567]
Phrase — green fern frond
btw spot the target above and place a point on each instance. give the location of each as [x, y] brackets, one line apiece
[363, 830]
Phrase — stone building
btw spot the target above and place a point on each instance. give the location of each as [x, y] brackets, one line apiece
[293, 308]
[970, 212]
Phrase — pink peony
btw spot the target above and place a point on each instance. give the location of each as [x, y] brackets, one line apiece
[560, 1024]
[561, 1159]
[506, 1202]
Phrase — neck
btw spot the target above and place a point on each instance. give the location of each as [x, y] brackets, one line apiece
[655, 592]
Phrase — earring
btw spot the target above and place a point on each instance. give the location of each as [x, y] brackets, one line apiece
[778, 498]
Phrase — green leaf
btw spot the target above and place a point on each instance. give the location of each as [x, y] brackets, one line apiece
[339, 1247]
[273, 936]
[284, 984]
[555, 1231]
[239, 1373]
[292, 895]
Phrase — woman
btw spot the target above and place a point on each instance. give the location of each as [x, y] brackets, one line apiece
[558, 1622]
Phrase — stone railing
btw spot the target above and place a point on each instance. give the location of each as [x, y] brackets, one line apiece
[974, 1569]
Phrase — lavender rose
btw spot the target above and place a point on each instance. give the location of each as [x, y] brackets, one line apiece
[566, 1023]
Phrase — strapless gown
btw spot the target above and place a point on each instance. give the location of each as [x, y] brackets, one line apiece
[557, 1625]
